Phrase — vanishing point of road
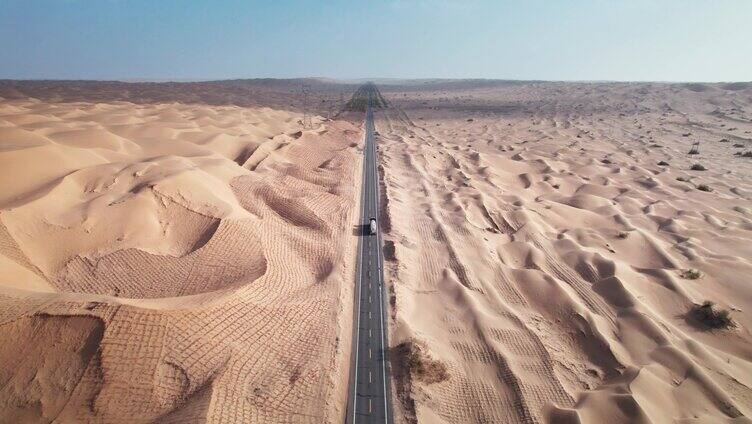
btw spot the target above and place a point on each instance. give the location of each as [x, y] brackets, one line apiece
[368, 394]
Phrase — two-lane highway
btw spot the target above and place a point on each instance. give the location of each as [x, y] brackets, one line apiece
[368, 398]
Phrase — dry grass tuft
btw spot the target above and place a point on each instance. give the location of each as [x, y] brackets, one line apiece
[691, 274]
[411, 358]
[711, 316]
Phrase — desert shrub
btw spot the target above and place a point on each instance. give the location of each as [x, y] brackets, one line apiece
[682, 179]
[389, 251]
[723, 140]
[738, 145]
[704, 187]
[606, 161]
[410, 358]
[691, 274]
[622, 234]
[747, 154]
[711, 316]
[698, 167]
[663, 163]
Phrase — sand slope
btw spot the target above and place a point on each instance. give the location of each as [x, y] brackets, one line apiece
[538, 251]
[173, 263]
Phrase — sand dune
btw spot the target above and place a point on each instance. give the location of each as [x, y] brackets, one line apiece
[541, 236]
[325, 97]
[183, 252]
[172, 262]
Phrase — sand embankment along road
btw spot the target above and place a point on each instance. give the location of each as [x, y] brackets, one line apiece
[164, 261]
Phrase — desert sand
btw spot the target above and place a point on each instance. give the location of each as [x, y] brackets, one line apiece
[184, 252]
[169, 258]
[545, 243]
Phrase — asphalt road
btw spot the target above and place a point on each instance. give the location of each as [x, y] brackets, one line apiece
[368, 398]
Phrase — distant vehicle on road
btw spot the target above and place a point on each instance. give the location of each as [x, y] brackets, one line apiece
[373, 226]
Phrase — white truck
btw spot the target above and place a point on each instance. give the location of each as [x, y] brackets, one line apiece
[373, 226]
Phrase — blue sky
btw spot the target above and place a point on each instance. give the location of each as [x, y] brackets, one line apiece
[665, 40]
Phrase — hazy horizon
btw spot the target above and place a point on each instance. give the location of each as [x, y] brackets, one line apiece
[381, 81]
[585, 41]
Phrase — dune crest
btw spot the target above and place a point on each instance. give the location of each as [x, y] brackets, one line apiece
[551, 243]
[165, 271]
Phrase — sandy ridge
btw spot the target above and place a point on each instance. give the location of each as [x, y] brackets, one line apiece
[539, 250]
[168, 262]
